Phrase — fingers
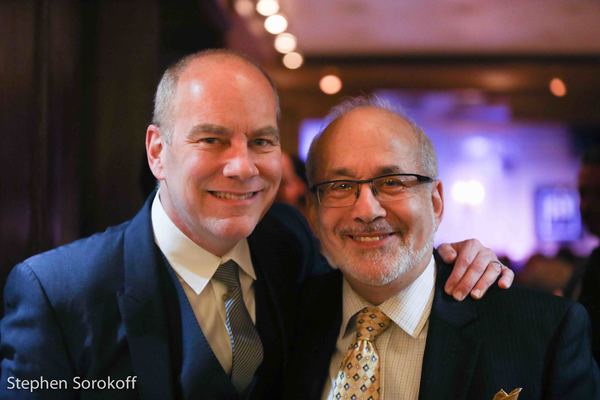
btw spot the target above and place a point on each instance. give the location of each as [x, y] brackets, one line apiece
[507, 278]
[447, 252]
[462, 254]
[478, 280]
[476, 271]
[488, 278]
[476, 268]
[493, 270]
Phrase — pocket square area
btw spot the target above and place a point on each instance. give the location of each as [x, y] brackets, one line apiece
[502, 395]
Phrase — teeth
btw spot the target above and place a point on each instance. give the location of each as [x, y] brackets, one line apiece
[368, 238]
[231, 196]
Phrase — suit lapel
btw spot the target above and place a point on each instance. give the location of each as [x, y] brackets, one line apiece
[324, 342]
[323, 304]
[143, 310]
[450, 353]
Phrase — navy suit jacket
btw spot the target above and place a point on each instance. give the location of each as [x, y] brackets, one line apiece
[99, 307]
[590, 297]
[510, 338]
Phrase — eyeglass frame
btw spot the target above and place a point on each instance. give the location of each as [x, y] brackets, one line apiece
[421, 179]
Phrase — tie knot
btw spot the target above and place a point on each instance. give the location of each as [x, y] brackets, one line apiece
[227, 273]
[370, 322]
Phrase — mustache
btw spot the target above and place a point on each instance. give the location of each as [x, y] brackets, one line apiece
[376, 227]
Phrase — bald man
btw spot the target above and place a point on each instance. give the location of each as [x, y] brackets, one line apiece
[381, 326]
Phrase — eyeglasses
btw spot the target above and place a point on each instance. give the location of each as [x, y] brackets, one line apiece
[345, 192]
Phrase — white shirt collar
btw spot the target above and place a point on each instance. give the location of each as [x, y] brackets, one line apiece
[192, 263]
[409, 309]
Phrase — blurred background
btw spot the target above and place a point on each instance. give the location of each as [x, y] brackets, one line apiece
[509, 92]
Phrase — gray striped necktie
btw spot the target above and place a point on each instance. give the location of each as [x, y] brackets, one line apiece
[246, 347]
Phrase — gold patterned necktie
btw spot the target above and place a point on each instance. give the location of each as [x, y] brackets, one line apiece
[358, 377]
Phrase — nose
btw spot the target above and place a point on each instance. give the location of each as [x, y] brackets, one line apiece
[240, 164]
[367, 208]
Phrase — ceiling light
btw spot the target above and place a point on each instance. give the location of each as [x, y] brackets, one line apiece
[330, 84]
[245, 8]
[558, 87]
[285, 43]
[469, 192]
[267, 7]
[293, 60]
[276, 24]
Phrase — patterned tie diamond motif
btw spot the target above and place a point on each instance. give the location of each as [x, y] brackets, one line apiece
[246, 346]
[358, 377]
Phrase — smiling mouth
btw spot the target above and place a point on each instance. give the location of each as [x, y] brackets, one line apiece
[370, 238]
[233, 196]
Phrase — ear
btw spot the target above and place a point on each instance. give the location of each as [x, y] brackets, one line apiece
[437, 200]
[154, 148]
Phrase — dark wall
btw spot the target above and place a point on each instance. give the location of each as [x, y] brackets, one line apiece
[120, 71]
[39, 107]
[77, 79]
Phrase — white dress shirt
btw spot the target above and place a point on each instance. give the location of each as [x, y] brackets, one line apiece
[195, 267]
[401, 347]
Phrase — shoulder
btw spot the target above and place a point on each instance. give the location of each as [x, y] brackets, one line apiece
[75, 257]
[525, 310]
[512, 310]
[94, 262]
[537, 324]
[523, 300]
[78, 269]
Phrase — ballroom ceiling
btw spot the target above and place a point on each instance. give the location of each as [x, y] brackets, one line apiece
[444, 27]
[508, 51]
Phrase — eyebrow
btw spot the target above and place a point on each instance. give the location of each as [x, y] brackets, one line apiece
[221, 130]
[266, 131]
[350, 174]
[208, 128]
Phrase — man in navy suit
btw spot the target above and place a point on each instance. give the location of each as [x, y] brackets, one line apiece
[137, 311]
[381, 326]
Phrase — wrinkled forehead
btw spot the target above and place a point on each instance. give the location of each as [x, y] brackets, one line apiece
[367, 141]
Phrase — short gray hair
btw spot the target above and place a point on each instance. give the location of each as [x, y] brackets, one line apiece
[426, 155]
[167, 87]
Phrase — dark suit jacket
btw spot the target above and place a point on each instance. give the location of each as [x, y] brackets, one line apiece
[590, 297]
[510, 338]
[99, 307]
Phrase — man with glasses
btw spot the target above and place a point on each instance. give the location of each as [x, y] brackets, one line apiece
[381, 326]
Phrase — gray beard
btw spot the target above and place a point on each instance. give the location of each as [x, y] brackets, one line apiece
[406, 259]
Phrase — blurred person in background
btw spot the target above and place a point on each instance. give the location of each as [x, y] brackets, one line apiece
[548, 274]
[292, 189]
[585, 284]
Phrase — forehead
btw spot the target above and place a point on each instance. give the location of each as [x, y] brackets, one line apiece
[368, 141]
[224, 81]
